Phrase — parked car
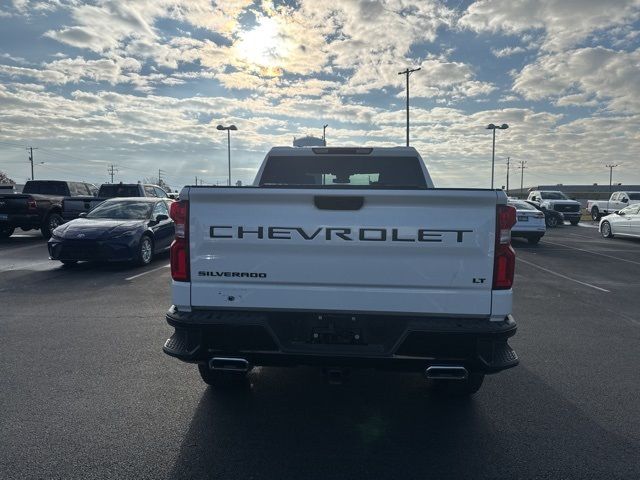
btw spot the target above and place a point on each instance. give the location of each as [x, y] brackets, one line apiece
[117, 230]
[623, 223]
[341, 257]
[530, 222]
[558, 201]
[72, 207]
[617, 201]
[39, 206]
[552, 218]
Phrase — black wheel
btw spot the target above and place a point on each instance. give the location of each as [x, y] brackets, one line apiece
[551, 221]
[145, 250]
[68, 262]
[575, 222]
[6, 231]
[534, 240]
[595, 214]
[52, 222]
[222, 379]
[605, 230]
[458, 388]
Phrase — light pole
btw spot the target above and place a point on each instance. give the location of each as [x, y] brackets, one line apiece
[493, 127]
[508, 165]
[408, 72]
[324, 134]
[228, 129]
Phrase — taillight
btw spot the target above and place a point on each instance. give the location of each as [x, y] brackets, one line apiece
[31, 204]
[504, 263]
[179, 212]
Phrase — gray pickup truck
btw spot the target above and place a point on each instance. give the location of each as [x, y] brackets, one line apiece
[72, 207]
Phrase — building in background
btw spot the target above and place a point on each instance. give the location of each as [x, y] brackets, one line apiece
[308, 141]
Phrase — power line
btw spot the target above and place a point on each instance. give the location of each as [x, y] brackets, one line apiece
[522, 167]
[112, 170]
[611, 167]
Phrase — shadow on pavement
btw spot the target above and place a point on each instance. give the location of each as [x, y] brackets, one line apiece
[291, 425]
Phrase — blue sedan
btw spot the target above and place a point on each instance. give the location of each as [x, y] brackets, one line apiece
[117, 230]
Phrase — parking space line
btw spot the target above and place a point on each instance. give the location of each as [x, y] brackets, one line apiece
[591, 252]
[148, 271]
[563, 276]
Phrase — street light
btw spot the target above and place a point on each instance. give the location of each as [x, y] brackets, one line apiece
[228, 129]
[493, 127]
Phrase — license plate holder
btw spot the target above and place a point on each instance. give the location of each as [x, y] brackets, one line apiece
[523, 219]
[4, 216]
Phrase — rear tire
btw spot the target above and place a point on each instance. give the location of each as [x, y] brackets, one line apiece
[575, 222]
[51, 222]
[145, 250]
[595, 214]
[458, 388]
[551, 221]
[534, 240]
[222, 379]
[605, 230]
[6, 231]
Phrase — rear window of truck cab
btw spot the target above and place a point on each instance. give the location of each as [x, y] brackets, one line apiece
[341, 171]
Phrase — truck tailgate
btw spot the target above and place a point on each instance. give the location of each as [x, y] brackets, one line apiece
[13, 204]
[401, 251]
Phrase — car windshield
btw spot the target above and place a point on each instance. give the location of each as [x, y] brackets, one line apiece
[122, 210]
[520, 205]
[363, 171]
[553, 196]
[634, 196]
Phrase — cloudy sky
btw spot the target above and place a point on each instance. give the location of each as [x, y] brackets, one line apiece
[142, 84]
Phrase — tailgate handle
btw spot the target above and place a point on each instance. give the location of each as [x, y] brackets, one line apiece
[338, 203]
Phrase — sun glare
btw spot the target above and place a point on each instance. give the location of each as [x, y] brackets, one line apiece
[262, 46]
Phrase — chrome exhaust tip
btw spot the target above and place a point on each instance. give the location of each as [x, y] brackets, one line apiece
[229, 364]
[447, 372]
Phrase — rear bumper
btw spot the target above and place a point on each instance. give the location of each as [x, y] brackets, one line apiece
[408, 343]
[20, 220]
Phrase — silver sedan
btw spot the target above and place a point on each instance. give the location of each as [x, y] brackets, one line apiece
[623, 223]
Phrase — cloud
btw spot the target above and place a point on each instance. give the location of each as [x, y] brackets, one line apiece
[607, 75]
[507, 51]
[563, 23]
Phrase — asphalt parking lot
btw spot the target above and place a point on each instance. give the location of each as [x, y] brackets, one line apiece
[88, 393]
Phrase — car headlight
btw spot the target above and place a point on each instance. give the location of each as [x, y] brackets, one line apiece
[125, 234]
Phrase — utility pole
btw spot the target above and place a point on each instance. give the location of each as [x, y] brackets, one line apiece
[508, 163]
[324, 134]
[196, 180]
[522, 167]
[30, 150]
[408, 72]
[611, 167]
[112, 170]
[160, 173]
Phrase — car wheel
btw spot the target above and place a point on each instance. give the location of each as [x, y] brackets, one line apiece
[575, 222]
[145, 250]
[457, 388]
[605, 230]
[534, 240]
[68, 262]
[52, 222]
[595, 214]
[222, 379]
[551, 221]
[6, 231]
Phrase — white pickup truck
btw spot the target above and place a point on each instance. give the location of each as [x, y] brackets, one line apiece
[617, 201]
[343, 257]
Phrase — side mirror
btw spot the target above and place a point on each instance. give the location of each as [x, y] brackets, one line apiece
[619, 212]
[162, 217]
[82, 215]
